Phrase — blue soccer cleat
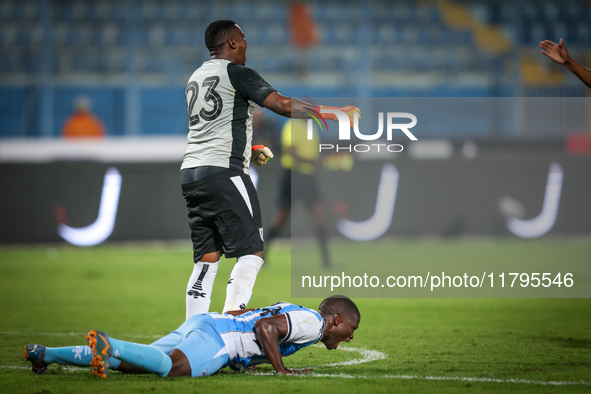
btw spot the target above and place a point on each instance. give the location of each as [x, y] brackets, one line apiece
[101, 351]
[35, 354]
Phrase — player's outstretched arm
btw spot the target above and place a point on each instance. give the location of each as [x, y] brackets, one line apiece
[294, 108]
[559, 54]
[269, 330]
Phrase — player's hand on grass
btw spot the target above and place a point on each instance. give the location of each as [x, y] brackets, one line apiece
[349, 110]
[260, 155]
[554, 51]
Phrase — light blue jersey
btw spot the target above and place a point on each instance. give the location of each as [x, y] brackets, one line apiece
[305, 327]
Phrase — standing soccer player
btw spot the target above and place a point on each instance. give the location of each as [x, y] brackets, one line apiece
[224, 212]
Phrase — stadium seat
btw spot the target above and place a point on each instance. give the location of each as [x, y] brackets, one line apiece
[276, 34]
[583, 34]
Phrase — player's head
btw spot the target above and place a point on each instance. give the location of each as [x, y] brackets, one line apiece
[341, 319]
[224, 38]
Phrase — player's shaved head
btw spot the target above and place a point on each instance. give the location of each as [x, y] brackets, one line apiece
[341, 305]
[218, 33]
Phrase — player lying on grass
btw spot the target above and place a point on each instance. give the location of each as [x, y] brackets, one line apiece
[208, 342]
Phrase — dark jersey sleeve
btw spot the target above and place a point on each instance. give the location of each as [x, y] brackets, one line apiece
[249, 83]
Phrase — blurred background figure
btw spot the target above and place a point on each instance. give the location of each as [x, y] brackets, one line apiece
[299, 157]
[303, 32]
[83, 123]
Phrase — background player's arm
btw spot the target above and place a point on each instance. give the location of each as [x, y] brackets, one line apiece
[559, 54]
[269, 331]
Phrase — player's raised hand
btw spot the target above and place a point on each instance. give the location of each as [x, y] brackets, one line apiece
[348, 110]
[554, 51]
[260, 155]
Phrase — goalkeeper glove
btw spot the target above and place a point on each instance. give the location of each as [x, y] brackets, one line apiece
[349, 110]
[260, 155]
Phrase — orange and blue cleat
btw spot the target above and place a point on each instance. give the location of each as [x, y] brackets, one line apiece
[101, 351]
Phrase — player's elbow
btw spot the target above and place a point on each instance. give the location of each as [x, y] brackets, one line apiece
[261, 325]
[266, 329]
[279, 104]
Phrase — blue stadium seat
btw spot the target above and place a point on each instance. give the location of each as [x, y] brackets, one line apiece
[276, 34]
[383, 13]
[241, 12]
[153, 64]
[29, 63]
[343, 34]
[410, 35]
[23, 37]
[4, 64]
[5, 10]
[18, 11]
[550, 12]
[115, 63]
[173, 11]
[192, 12]
[60, 34]
[156, 35]
[450, 63]
[90, 12]
[531, 11]
[196, 37]
[64, 13]
[462, 37]
[386, 34]
[583, 34]
[446, 36]
[31, 11]
[78, 11]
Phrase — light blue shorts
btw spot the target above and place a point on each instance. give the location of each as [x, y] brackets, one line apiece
[200, 342]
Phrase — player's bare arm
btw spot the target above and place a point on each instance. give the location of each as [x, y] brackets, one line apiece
[269, 330]
[559, 54]
[238, 312]
[294, 108]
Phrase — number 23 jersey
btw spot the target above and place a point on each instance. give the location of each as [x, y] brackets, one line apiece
[220, 102]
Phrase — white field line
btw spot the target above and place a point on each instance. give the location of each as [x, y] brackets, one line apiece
[367, 356]
[73, 334]
[65, 367]
[458, 378]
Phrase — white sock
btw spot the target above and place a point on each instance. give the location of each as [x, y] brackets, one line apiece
[241, 282]
[198, 294]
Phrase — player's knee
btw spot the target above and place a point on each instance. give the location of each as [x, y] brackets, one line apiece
[212, 257]
[260, 254]
[180, 364]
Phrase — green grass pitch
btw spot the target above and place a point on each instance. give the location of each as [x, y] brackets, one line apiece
[53, 295]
